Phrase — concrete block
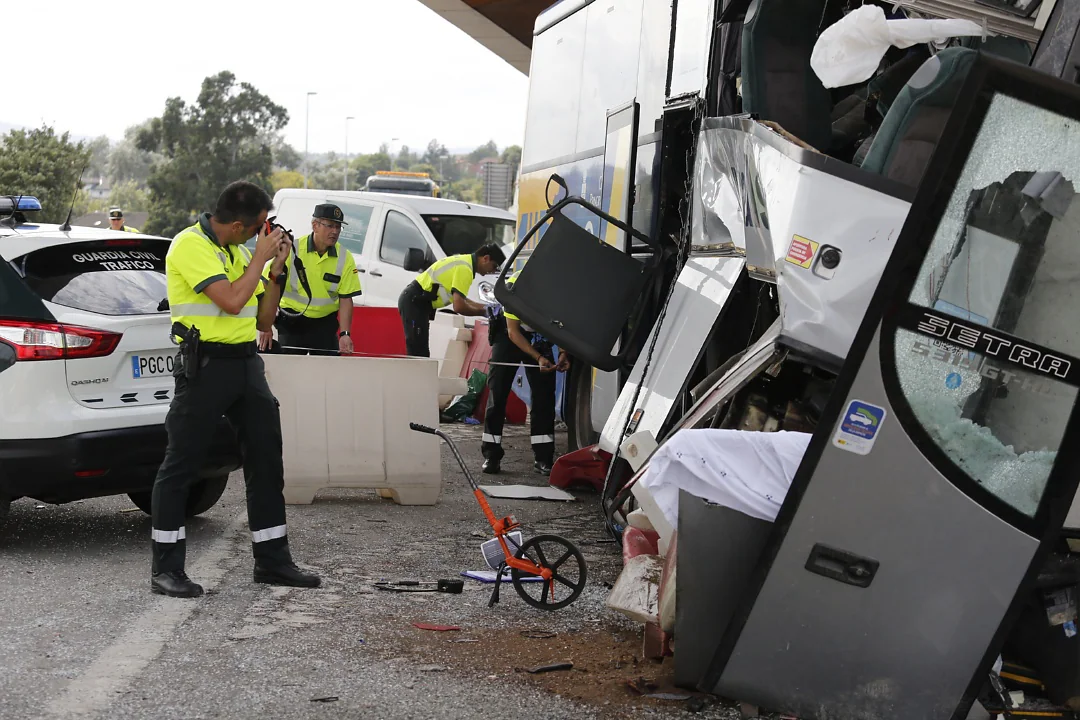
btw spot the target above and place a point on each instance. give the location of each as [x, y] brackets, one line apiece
[345, 424]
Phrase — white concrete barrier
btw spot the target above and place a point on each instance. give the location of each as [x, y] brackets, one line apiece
[345, 424]
[449, 339]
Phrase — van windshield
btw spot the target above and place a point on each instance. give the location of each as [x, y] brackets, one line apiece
[458, 234]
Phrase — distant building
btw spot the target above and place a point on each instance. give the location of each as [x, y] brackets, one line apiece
[498, 185]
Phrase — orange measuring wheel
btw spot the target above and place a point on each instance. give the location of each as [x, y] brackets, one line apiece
[556, 561]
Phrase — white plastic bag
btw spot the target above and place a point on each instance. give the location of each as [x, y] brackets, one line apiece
[850, 51]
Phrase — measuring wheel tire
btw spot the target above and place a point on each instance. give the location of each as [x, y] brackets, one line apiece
[202, 496]
[559, 554]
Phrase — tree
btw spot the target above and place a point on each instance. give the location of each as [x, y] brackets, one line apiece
[512, 155]
[282, 179]
[435, 151]
[99, 159]
[490, 150]
[43, 164]
[129, 196]
[127, 162]
[364, 166]
[285, 155]
[405, 159]
[221, 138]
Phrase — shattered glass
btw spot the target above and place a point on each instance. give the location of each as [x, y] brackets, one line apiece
[1005, 255]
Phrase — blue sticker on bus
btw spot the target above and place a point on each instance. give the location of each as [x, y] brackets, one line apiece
[953, 381]
[859, 427]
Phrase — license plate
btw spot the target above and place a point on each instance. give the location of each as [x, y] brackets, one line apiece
[148, 366]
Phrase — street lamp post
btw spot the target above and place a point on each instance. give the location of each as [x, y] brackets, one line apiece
[345, 182]
[307, 122]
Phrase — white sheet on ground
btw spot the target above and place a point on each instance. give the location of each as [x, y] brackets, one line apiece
[745, 471]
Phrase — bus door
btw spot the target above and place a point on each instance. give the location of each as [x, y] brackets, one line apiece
[942, 470]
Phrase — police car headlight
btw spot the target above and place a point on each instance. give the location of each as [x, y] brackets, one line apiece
[487, 292]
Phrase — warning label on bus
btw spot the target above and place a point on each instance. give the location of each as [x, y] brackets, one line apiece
[801, 251]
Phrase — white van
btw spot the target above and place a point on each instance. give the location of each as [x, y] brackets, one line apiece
[383, 227]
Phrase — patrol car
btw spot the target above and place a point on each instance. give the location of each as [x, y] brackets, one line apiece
[86, 365]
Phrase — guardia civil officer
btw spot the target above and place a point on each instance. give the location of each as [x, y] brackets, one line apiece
[446, 282]
[318, 314]
[217, 297]
[116, 221]
[514, 342]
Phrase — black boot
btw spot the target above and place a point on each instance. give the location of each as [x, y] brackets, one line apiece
[491, 467]
[286, 574]
[542, 467]
[175, 583]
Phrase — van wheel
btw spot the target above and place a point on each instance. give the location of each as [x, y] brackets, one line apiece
[202, 496]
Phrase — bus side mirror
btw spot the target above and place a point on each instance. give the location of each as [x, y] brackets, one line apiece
[416, 260]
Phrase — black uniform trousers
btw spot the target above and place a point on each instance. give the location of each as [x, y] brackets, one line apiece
[542, 412]
[235, 387]
[319, 334]
[414, 305]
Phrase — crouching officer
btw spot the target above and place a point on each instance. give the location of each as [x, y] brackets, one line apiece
[217, 297]
[513, 343]
[446, 282]
[320, 281]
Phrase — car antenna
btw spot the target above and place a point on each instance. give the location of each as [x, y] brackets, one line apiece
[66, 227]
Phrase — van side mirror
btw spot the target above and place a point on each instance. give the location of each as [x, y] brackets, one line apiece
[416, 260]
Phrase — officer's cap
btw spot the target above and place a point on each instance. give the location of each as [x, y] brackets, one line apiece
[116, 212]
[329, 211]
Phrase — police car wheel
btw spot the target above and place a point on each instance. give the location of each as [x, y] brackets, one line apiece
[202, 496]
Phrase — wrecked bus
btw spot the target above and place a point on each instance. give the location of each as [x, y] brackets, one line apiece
[764, 237]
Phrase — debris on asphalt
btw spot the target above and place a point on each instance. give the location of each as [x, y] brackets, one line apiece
[328, 699]
[452, 586]
[129, 510]
[538, 634]
[668, 696]
[697, 704]
[527, 492]
[642, 686]
[436, 628]
[549, 668]
[463, 640]
[433, 668]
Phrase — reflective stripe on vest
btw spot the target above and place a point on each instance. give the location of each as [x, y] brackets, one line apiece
[445, 294]
[293, 292]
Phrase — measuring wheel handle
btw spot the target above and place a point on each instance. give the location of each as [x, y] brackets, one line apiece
[568, 572]
[421, 428]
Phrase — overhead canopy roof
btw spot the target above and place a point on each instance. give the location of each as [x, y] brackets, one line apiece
[503, 26]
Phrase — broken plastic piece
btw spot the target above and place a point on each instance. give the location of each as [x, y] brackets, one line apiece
[538, 634]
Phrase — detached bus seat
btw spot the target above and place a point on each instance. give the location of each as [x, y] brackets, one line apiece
[907, 137]
[578, 291]
[777, 81]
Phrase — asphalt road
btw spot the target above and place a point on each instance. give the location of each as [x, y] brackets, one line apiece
[82, 637]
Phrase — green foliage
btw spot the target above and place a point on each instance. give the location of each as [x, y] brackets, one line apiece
[489, 150]
[127, 162]
[129, 196]
[282, 179]
[99, 159]
[41, 163]
[221, 138]
[512, 155]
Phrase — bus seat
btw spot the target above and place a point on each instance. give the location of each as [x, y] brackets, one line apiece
[777, 81]
[909, 133]
[887, 85]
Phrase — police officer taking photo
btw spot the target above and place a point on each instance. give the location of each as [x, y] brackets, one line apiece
[513, 343]
[217, 299]
[320, 281]
[446, 282]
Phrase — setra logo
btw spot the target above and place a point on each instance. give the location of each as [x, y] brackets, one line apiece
[994, 345]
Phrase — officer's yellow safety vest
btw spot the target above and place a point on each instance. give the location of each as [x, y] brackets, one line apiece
[131, 229]
[195, 261]
[453, 273]
[332, 276]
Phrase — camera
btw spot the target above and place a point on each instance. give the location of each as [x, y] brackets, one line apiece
[271, 226]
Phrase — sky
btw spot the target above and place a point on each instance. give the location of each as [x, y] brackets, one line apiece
[95, 68]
